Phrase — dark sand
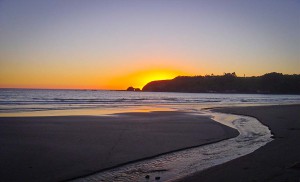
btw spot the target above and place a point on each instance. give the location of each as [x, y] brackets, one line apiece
[276, 162]
[61, 148]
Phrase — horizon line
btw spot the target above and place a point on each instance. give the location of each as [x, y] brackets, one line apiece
[99, 89]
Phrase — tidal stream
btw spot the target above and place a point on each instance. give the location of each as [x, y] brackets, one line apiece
[175, 165]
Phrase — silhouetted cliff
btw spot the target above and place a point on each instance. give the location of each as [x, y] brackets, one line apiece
[275, 83]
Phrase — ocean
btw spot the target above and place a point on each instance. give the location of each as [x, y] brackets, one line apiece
[22, 102]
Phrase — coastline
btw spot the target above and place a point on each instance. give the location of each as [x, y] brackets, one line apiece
[269, 163]
[62, 148]
[277, 161]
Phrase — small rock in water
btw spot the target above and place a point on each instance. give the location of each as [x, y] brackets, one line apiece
[147, 176]
[157, 178]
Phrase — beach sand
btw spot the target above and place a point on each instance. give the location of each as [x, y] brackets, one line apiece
[278, 161]
[61, 148]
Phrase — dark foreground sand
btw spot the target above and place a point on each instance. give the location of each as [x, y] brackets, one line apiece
[61, 148]
[278, 161]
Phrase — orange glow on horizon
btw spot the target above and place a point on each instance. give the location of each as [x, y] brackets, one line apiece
[141, 78]
[50, 86]
[122, 81]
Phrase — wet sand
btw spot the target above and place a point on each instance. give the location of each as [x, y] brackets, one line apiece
[62, 148]
[278, 161]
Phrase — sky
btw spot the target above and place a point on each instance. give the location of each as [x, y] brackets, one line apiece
[114, 44]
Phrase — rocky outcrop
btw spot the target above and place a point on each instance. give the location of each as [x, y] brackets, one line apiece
[133, 89]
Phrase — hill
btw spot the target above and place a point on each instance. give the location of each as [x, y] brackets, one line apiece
[270, 83]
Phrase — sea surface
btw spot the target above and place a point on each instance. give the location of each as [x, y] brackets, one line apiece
[30, 102]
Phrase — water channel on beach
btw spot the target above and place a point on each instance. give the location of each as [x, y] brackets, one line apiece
[175, 165]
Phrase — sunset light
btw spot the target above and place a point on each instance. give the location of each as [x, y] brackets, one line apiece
[149, 90]
[112, 45]
[141, 78]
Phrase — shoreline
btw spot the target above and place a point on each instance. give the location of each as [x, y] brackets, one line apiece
[276, 161]
[250, 166]
[63, 148]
